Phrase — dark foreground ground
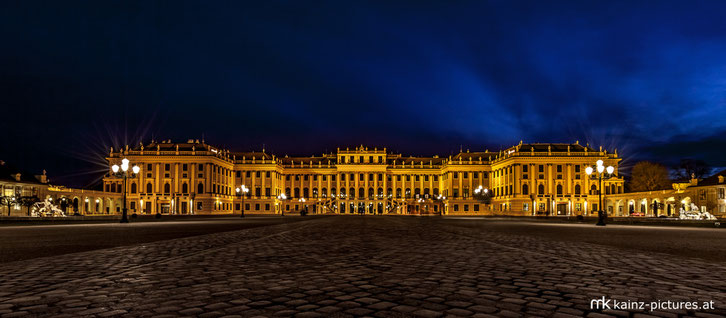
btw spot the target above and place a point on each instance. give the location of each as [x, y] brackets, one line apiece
[359, 266]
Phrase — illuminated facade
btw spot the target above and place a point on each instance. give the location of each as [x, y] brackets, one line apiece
[526, 179]
[19, 190]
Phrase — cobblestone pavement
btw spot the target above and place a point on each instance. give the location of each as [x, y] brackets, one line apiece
[357, 266]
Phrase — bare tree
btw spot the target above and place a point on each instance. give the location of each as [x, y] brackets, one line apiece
[689, 168]
[649, 176]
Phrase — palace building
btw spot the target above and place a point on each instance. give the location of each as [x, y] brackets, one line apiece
[194, 177]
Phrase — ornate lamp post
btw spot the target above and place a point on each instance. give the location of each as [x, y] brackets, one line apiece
[600, 169]
[241, 192]
[123, 172]
[282, 197]
[303, 212]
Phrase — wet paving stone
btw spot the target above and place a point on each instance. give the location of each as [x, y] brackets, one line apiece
[356, 266]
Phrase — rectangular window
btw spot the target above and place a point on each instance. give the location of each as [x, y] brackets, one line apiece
[721, 193]
[267, 192]
[456, 175]
[577, 168]
[238, 174]
[466, 175]
[466, 207]
[185, 167]
[342, 177]
[267, 174]
[167, 167]
[257, 174]
[559, 168]
[149, 167]
[475, 175]
[236, 206]
[525, 168]
[325, 177]
[456, 208]
[267, 207]
[248, 174]
[306, 177]
[257, 206]
[525, 206]
[476, 208]
[541, 168]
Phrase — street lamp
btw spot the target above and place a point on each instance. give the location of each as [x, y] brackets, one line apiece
[241, 192]
[282, 197]
[600, 174]
[303, 212]
[123, 172]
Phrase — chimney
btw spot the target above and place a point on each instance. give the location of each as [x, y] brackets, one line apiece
[720, 179]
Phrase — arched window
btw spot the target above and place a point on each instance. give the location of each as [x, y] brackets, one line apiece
[297, 193]
[436, 191]
[389, 192]
[361, 193]
[398, 193]
[559, 189]
[306, 193]
[324, 192]
[167, 188]
[287, 192]
[200, 188]
[351, 192]
[315, 192]
[577, 189]
[593, 189]
[427, 191]
[417, 191]
[408, 193]
[371, 193]
[332, 192]
[133, 188]
[525, 189]
[342, 192]
[540, 189]
[380, 192]
[150, 188]
[185, 187]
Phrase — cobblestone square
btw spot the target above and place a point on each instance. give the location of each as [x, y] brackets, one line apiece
[360, 266]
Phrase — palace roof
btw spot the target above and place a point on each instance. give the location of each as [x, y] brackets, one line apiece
[717, 178]
[9, 173]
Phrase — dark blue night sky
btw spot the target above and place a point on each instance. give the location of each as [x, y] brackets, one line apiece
[302, 77]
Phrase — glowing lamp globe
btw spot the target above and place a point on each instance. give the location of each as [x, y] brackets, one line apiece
[610, 169]
[588, 170]
[599, 163]
[114, 168]
[600, 169]
[136, 169]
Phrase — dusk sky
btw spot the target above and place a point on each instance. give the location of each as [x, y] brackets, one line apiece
[303, 77]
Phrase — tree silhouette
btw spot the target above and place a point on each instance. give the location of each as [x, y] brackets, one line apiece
[649, 176]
